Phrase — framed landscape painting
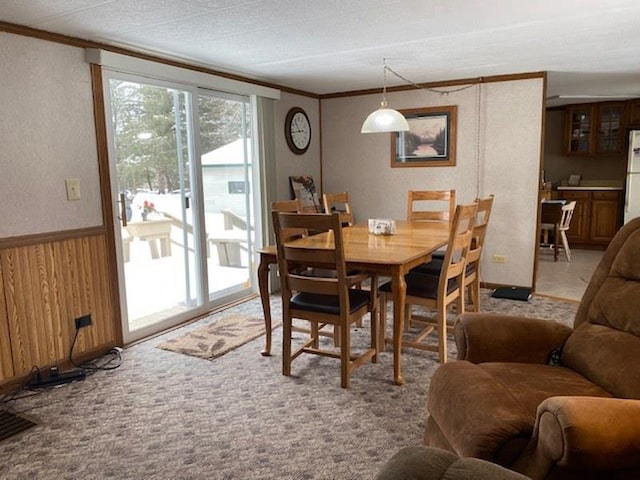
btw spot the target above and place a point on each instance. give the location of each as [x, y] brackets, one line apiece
[430, 141]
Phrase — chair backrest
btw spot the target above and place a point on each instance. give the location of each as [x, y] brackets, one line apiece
[605, 343]
[480, 230]
[338, 202]
[550, 214]
[567, 213]
[455, 258]
[289, 206]
[294, 262]
[438, 215]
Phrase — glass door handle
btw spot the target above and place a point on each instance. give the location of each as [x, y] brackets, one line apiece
[123, 210]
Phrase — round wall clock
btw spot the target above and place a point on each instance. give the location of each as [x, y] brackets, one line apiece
[297, 130]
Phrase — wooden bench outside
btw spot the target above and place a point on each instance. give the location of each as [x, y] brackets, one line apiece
[228, 244]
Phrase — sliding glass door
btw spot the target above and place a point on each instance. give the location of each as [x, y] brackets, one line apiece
[226, 172]
[180, 165]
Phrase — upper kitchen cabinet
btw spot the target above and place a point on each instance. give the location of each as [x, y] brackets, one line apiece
[579, 128]
[610, 134]
[634, 113]
[595, 128]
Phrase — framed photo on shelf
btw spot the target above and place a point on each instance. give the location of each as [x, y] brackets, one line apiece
[303, 189]
[430, 141]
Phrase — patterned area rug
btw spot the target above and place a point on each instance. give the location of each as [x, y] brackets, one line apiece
[217, 338]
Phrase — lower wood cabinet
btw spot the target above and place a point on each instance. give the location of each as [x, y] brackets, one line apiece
[579, 228]
[596, 217]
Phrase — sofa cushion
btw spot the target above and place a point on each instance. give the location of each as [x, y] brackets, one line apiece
[605, 346]
[488, 410]
[423, 463]
[607, 357]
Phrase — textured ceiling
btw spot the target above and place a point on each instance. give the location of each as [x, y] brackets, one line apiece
[326, 46]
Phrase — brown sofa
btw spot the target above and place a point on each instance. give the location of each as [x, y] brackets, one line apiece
[426, 463]
[507, 400]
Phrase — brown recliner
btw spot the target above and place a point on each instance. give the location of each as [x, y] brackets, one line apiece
[507, 400]
[427, 463]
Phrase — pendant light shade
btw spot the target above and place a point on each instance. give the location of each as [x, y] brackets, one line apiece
[385, 120]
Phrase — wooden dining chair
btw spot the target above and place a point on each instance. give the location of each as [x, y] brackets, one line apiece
[436, 292]
[472, 271]
[442, 205]
[295, 206]
[445, 201]
[557, 221]
[321, 299]
[289, 206]
[338, 202]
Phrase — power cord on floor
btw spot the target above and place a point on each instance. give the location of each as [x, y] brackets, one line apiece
[114, 355]
[110, 361]
[14, 394]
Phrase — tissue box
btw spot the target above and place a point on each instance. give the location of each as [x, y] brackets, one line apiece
[382, 226]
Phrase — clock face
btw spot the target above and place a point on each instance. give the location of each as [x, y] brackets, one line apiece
[298, 130]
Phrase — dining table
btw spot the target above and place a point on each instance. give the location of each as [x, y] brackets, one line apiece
[412, 244]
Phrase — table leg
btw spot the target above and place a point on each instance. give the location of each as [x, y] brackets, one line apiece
[153, 247]
[399, 289]
[263, 285]
[165, 246]
[556, 234]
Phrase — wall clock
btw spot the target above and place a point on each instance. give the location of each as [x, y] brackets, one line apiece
[297, 130]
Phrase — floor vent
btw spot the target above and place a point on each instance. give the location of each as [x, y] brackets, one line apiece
[11, 424]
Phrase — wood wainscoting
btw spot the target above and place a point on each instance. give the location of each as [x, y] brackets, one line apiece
[44, 287]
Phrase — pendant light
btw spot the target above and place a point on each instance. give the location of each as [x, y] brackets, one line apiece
[385, 119]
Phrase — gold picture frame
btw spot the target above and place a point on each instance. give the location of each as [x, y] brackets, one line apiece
[430, 141]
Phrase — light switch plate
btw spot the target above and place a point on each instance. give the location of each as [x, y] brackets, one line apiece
[73, 189]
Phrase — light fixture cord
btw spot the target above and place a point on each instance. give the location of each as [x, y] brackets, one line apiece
[478, 119]
[420, 87]
[384, 82]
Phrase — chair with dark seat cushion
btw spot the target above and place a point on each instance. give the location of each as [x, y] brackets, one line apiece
[436, 292]
[427, 205]
[472, 272]
[545, 399]
[323, 298]
[338, 202]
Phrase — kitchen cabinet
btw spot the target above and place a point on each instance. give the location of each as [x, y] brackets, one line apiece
[579, 128]
[596, 217]
[610, 123]
[595, 128]
[579, 228]
[634, 113]
[605, 216]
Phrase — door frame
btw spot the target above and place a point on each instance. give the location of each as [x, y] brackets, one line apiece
[111, 197]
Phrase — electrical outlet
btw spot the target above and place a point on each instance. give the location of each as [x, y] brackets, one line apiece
[73, 188]
[499, 259]
[83, 321]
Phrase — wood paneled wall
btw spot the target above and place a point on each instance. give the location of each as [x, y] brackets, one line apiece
[44, 288]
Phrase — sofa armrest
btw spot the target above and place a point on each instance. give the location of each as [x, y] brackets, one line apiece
[583, 434]
[483, 337]
[427, 463]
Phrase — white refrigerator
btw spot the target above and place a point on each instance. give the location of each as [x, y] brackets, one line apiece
[632, 194]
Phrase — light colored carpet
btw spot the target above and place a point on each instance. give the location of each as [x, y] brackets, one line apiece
[163, 415]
